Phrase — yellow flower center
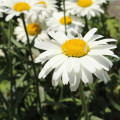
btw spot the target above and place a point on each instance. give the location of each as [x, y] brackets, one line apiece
[75, 48]
[68, 20]
[42, 2]
[33, 29]
[21, 6]
[84, 3]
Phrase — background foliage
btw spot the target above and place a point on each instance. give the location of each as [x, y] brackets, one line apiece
[18, 93]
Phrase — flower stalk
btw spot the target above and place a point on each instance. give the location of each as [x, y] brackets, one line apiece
[86, 24]
[84, 106]
[11, 70]
[33, 66]
[64, 16]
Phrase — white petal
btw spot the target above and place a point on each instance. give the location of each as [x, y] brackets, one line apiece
[60, 37]
[69, 64]
[76, 65]
[58, 71]
[55, 82]
[49, 66]
[46, 45]
[84, 61]
[65, 77]
[103, 41]
[102, 52]
[86, 76]
[102, 47]
[100, 61]
[47, 55]
[95, 37]
[102, 75]
[88, 36]
[75, 86]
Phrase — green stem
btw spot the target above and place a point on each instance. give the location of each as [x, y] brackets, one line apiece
[86, 24]
[103, 24]
[64, 16]
[10, 67]
[83, 102]
[30, 52]
[61, 93]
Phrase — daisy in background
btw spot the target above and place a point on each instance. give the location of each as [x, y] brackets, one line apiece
[89, 8]
[34, 28]
[49, 6]
[1, 9]
[57, 23]
[16, 7]
[2, 53]
[75, 59]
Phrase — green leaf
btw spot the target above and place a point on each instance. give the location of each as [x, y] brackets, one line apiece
[112, 26]
[19, 81]
[49, 98]
[95, 118]
[114, 104]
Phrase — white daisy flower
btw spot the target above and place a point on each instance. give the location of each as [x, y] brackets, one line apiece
[75, 58]
[1, 9]
[89, 8]
[16, 7]
[49, 6]
[57, 23]
[2, 53]
[34, 28]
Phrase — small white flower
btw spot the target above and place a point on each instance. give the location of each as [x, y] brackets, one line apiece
[2, 53]
[1, 8]
[75, 58]
[89, 8]
[57, 23]
[49, 6]
[34, 28]
[16, 7]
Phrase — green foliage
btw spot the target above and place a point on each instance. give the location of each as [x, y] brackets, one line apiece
[113, 27]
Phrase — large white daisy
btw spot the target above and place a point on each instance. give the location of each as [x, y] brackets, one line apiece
[75, 58]
[84, 7]
[34, 28]
[16, 7]
[57, 22]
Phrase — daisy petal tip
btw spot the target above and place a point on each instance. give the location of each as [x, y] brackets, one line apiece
[54, 84]
[114, 40]
[51, 33]
[40, 76]
[37, 60]
[73, 89]
[95, 29]
[36, 44]
[117, 56]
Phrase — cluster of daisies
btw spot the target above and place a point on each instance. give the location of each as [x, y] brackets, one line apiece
[42, 16]
[72, 57]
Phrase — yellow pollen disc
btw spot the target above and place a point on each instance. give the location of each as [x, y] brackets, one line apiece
[42, 2]
[84, 3]
[75, 48]
[21, 6]
[68, 20]
[33, 29]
